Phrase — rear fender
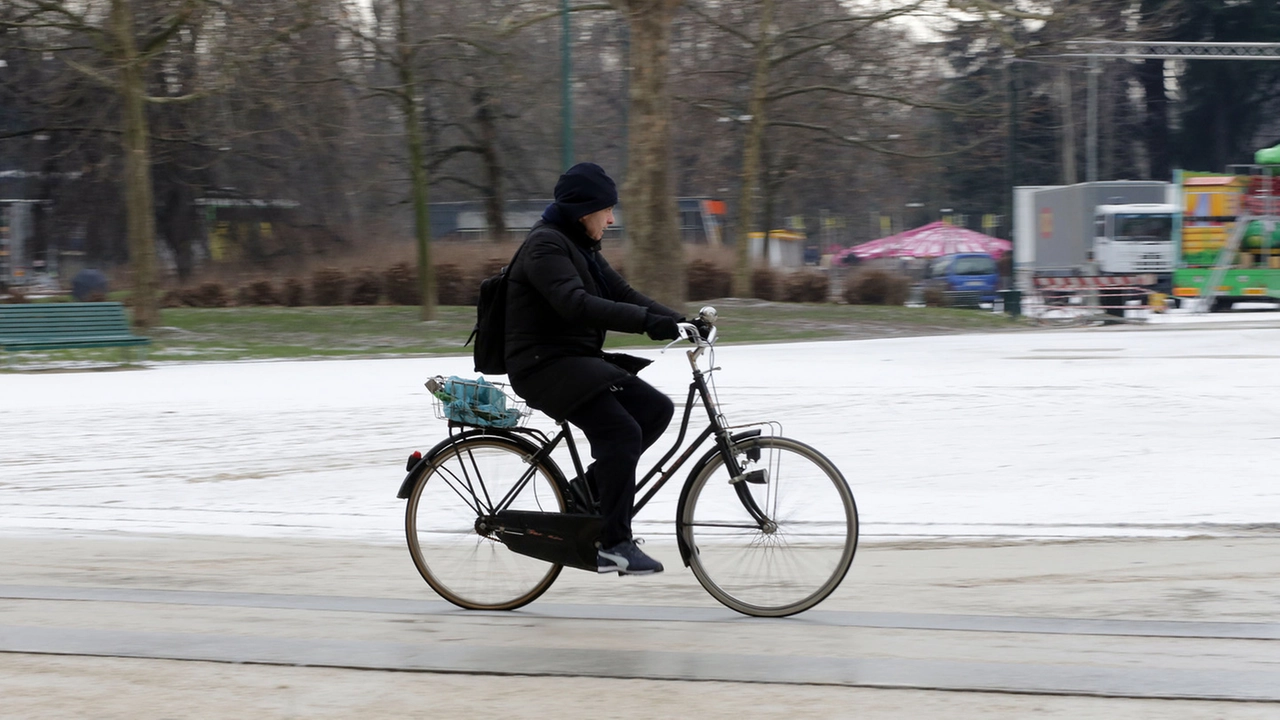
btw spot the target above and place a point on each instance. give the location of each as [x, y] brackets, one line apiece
[416, 470]
[685, 550]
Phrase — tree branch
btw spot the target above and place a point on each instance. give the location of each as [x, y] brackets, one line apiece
[949, 107]
[507, 26]
[37, 131]
[73, 22]
[866, 23]
[986, 8]
[91, 74]
[830, 134]
[150, 46]
[727, 29]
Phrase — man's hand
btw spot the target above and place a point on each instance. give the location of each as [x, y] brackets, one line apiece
[660, 327]
[704, 328]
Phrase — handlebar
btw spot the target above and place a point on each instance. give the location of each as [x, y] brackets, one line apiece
[701, 332]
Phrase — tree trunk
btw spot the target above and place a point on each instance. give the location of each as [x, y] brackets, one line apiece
[751, 154]
[1151, 74]
[656, 259]
[495, 200]
[1069, 175]
[417, 172]
[179, 218]
[139, 205]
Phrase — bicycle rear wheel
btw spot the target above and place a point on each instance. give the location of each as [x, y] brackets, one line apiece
[793, 559]
[461, 483]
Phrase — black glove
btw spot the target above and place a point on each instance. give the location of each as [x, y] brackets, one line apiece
[703, 328]
[660, 327]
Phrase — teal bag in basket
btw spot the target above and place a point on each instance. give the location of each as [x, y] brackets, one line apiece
[476, 402]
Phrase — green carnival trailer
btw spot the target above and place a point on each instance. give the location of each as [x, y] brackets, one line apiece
[1230, 238]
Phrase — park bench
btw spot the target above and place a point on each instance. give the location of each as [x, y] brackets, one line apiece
[56, 326]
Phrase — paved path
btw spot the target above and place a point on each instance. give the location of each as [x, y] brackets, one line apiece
[1239, 671]
[1126, 623]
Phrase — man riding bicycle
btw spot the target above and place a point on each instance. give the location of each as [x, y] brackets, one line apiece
[562, 297]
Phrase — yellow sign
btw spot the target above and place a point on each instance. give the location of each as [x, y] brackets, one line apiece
[1046, 223]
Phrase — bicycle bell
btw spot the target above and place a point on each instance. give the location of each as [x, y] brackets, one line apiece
[708, 315]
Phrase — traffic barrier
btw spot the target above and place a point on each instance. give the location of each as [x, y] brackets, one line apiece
[1091, 300]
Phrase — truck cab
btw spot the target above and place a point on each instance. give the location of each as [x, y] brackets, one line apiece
[1135, 238]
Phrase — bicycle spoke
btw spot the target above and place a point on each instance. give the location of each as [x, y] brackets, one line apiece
[470, 454]
[784, 565]
[468, 497]
[744, 526]
[465, 567]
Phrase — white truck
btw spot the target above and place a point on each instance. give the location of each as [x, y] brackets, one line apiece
[1097, 229]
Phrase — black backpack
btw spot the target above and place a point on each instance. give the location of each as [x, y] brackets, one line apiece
[490, 332]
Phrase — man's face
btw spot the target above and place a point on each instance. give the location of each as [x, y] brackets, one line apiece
[597, 221]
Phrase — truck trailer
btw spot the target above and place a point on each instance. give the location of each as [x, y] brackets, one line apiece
[1107, 229]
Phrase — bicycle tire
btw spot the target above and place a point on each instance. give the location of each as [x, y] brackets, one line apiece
[462, 565]
[770, 572]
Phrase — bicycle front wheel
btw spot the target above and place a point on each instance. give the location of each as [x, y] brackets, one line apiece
[793, 550]
[460, 484]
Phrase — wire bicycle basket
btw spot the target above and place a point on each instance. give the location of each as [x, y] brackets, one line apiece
[476, 403]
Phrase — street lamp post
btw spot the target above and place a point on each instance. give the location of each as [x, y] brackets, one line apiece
[906, 216]
[566, 96]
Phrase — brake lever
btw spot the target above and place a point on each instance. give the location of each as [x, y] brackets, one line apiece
[688, 331]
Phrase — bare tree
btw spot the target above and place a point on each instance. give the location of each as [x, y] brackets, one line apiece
[652, 228]
[109, 43]
[812, 79]
[123, 47]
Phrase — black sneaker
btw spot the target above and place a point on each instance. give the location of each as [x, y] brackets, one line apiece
[625, 558]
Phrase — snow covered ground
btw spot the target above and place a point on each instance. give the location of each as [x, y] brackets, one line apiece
[1168, 429]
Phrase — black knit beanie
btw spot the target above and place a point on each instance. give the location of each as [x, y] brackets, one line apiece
[585, 188]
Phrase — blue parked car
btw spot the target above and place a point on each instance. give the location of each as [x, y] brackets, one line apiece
[970, 274]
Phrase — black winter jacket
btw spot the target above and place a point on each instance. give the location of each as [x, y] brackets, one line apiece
[557, 315]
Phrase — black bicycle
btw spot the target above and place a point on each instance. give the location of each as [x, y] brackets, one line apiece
[767, 524]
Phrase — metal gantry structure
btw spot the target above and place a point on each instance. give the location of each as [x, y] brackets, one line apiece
[1095, 50]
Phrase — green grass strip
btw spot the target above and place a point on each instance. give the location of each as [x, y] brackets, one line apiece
[278, 333]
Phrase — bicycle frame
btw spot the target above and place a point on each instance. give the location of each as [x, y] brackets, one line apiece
[656, 478]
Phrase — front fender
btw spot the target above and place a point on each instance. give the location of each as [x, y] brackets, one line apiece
[685, 550]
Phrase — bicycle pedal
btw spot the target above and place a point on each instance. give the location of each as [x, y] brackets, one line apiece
[755, 477]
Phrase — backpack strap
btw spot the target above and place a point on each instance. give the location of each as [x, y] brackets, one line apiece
[506, 270]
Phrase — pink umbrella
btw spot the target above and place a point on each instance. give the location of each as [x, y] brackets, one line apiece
[932, 240]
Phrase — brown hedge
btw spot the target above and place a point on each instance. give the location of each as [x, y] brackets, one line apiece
[401, 284]
[877, 287]
[366, 288]
[259, 292]
[807, 286]
[706, 280]
[329, 286]
[454, 287]
[295, 293]
[764, 284]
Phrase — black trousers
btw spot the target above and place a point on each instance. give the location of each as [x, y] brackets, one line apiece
[620, 423]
